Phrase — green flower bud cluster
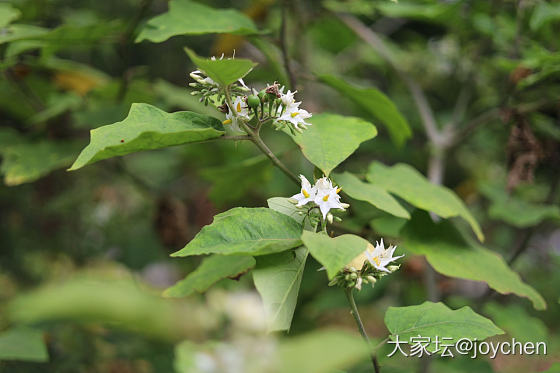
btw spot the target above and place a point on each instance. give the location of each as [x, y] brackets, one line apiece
[350, 277]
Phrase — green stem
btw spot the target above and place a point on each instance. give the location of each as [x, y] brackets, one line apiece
[256, 138]
[354, 312]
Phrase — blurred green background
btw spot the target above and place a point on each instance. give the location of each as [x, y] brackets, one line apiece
[85, 255]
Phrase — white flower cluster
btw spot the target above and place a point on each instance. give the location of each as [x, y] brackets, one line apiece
[323, 194]
[291, 112]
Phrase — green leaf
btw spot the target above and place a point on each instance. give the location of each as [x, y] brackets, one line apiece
[448, 252]
[322, 351]
[245, 231]
[187, 17]
[223, 71]
[8, 14]
[212, 269]
[334, 253]
[375, 103]
[436, 319]
[284, 206]
[277, 279]
[410, 185]
[246, 175]
[332, 138]
[25, 162]
[543, 14]
[370, 193]
[147, 127]
[23, 344]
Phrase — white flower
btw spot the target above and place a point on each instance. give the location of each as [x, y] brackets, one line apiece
[379, 257]
[242, 111]
[288, 98]
[295, 115]
[327, 196]
[307, 193]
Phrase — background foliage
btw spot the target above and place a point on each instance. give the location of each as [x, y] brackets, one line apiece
[464, 92]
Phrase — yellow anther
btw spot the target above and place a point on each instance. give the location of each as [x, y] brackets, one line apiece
[239, 107]
[227, 121]
[294, 114]
[376, 260]
[338, 190]
[305, 193]
[326, 198]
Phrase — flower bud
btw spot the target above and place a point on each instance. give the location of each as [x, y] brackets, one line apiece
[371, 279]
[353, 275]
[262, 95]
[330, 218]
[253, 102]
[359, 283]
[345, 205]
[393, 268]
[334, 281]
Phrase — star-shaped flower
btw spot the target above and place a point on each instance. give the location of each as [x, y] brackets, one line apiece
[241, 110]
[327, 196]
[307, 193]
[380, 257]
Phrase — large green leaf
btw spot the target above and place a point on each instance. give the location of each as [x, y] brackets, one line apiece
[24, 162]
[23, 344]
[187, 17]
[8, 14]
[332, 138]
[245, 231]
[408, 184]
[375, 195]
[211, 270]
[324, 351]
[223, 71]
[375, 103]
[449, 253]
[436, 319]
[334, 253]
[277, 278]
[147, 127]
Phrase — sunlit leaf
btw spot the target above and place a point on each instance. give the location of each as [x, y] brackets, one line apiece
[370, 193]
[245, 231]
[436, 319]
[147, 127]
[211, 270]
[332, 138]
[23, 344]
[277, 278]
[408, 184]
[187, 17]
[375, 103]
[334, 253]
[223, 71]
[451, 255]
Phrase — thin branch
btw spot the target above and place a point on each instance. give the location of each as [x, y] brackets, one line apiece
[356, 314]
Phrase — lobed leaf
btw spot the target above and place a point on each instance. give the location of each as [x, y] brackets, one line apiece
[332, 138]
[436, 319]
[147, 127]
[211, 270]
[186, 17]
[245, 231]
[370, 193]
[277, 278]
[448, 252]
[408, 184]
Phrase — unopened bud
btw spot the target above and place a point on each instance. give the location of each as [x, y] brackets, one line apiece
[345, 205]
[336, 218]
[353, 275]
[358, 283]
[330, 218]
[371, 279]
[393, 268]
[334, 281]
